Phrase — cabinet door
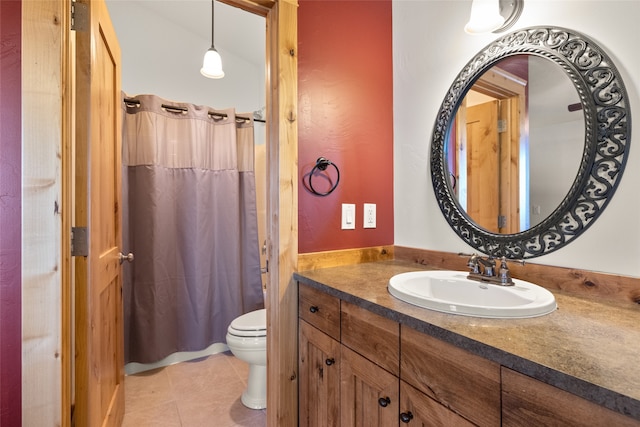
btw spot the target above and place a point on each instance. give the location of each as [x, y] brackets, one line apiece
[369, 393]
[319, 388]
[419, 410]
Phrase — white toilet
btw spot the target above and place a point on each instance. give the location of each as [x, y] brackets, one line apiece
[247, 340]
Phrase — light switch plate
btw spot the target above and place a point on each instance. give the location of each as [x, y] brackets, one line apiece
[369, 216]
[348, 216]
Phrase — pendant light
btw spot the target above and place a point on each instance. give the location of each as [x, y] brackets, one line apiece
[493, 15]
[212, 63]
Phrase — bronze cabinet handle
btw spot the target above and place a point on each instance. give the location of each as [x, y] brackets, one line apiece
[384, 401]
[405, 417]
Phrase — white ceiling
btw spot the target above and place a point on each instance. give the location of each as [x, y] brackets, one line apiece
[236, 30]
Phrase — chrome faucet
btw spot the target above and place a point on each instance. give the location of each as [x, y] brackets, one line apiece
[488, 272]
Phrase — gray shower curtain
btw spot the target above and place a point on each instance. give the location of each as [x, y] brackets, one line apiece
[190, 219]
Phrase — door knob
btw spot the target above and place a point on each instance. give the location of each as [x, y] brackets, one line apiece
[122, 257]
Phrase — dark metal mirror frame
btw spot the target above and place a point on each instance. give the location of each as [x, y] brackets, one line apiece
[607, 137]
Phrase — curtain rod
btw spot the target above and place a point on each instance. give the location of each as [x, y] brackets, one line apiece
[184, 109]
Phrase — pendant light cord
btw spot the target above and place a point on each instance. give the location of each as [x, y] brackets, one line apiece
[212, 25]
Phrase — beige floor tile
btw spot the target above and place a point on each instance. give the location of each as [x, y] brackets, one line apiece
[202, 379]
[259, 419]
[199, 393]
[147, 389]
[164, 415]
[241, 367]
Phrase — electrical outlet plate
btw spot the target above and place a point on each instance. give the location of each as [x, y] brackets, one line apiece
[369, 218]
[348, 216]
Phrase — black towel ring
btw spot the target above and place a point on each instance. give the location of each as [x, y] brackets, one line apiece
[321, 165]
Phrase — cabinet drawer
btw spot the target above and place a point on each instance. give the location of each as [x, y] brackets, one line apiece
[375, 337]
[459, 380]
[526, 400]
[320, 310]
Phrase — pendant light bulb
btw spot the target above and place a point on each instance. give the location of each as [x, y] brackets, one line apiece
[212, 62]
[485, 17]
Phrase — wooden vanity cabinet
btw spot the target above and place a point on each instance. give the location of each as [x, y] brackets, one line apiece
[320, 310]
[369, 394]
[318, 358]
[419, 410]
[374, 337]
[319, 362]
[370, 366]
[357, 368]
[459, 380]
[354, 379]
[525, 399]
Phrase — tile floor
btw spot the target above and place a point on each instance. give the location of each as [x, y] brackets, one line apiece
[200, 393]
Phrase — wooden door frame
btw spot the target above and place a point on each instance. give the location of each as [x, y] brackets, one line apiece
[282, 207]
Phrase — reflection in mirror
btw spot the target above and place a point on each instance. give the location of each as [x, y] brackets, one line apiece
[550, 201]
[497, 150]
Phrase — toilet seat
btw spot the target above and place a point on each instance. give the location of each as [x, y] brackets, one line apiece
[252, 325]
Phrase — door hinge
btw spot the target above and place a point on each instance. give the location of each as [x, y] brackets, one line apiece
[502, 125]
[79, 16]
[79, 241]
[502, 221]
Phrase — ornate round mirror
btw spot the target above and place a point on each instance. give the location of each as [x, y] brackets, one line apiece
[530, 142]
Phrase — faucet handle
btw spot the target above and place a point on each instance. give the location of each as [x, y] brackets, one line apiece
[515, 261]
[503, 274]
[472, 262]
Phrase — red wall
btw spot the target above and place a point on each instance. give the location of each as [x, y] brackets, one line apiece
[10, 214]
[345, 113]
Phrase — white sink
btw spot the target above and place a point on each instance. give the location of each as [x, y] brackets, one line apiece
[451, 292]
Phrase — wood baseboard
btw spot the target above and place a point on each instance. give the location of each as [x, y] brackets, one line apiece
[314, 260]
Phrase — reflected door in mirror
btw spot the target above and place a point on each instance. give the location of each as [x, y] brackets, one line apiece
[486, 167]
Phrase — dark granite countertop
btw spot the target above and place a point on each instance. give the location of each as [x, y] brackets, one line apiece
[588, 348]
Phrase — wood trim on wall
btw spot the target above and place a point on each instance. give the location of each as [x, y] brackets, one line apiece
[282, 205]
[314, 260]
[68, 200]
[582, 283]
[282, 214]
[43, 88]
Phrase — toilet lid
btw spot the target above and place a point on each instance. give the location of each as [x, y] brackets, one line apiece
[252, 324]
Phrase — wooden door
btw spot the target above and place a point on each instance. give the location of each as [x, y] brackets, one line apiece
[369, 394]
[483, 165]
[99, 330]
[319, 394]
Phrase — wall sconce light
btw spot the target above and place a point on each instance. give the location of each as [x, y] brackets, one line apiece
[212, 63]
[493, 15]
